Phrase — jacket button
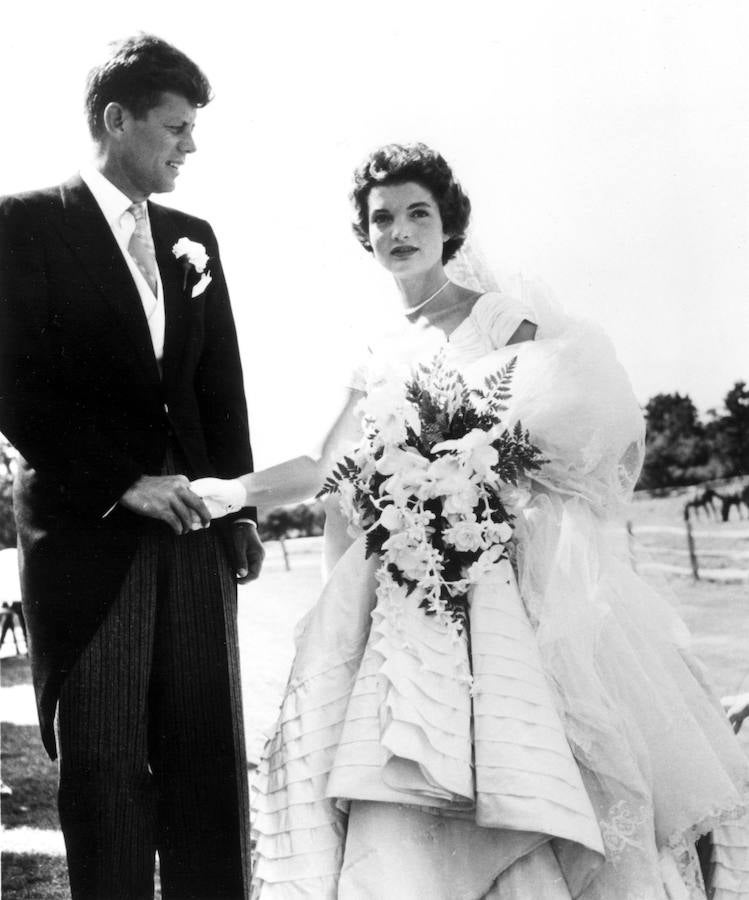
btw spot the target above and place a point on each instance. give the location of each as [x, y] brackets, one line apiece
[166, 409]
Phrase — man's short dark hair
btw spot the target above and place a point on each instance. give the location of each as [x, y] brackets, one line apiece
[398, 163]
[139, 70]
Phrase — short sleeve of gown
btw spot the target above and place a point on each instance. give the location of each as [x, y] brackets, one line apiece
[498, 316]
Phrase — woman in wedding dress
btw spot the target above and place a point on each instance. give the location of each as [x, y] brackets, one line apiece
[587, 754]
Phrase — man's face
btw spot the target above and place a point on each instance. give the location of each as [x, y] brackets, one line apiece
[152, 149]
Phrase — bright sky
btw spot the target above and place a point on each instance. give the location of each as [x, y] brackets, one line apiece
[605, 147]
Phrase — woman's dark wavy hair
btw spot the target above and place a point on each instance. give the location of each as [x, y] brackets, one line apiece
[139, 70]
[398, 163]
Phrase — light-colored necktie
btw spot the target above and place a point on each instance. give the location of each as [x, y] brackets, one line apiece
[141, 246]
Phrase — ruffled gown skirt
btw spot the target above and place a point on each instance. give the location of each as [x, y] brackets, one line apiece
[581, 758]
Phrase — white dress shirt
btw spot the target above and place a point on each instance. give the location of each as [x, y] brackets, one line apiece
[114, 204]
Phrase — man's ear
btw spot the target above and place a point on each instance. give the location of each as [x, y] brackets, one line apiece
[114, 118]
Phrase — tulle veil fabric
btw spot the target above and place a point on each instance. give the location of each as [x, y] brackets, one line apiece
[588, 753]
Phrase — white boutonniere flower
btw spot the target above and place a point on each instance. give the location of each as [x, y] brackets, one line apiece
[193, 256]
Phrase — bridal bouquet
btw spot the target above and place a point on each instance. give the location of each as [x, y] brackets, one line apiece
[430, 480]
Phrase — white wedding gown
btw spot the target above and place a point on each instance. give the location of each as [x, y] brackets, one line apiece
[588, 754]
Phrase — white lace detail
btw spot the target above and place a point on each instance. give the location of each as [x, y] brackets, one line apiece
[689, 870]
[685, 835]
[621, 828]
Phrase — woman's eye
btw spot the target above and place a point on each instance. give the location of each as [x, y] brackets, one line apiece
[380, 218]
[420, 213]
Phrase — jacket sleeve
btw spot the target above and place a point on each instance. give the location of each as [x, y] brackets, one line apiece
[219, 384]
[53, 431]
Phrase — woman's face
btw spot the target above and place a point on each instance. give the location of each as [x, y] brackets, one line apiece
[405, 228]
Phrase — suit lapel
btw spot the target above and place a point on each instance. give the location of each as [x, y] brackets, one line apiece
[165, 235]
[90, 237]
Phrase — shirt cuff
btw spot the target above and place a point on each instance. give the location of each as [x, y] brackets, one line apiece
[246, 522]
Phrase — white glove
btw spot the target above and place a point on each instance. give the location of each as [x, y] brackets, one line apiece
[222, 496]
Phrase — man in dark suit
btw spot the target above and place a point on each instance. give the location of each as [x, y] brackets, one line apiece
[120, 379]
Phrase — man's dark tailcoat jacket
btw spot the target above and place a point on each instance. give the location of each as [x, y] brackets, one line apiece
[82, 399]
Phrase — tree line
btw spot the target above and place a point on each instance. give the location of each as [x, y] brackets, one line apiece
[682, 448]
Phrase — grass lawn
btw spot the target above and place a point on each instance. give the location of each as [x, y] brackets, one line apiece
[32, 777]
[29, 876]
[717, 615]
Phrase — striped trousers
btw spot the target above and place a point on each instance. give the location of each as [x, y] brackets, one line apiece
[150, 734]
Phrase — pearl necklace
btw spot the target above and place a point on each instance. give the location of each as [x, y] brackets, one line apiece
[412, 309]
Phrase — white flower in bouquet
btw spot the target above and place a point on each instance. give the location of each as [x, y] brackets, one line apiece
[387, 413]
[432, 582]
[496, 533]
[466, 536]
[415, 558]
[392, 430]
[484, 564]
[461, 502]
[475, 451]
[409, 464]
[418, 518]
[417, 538]
[415, 564]
[397, 489]
[392, 518]
[402, 540]
[444, 476]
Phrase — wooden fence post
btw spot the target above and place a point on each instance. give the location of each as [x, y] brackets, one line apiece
[285, 552]
[690, 545]
[631, 545]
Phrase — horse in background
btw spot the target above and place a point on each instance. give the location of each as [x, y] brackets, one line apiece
[704, 501]
[740, 500]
